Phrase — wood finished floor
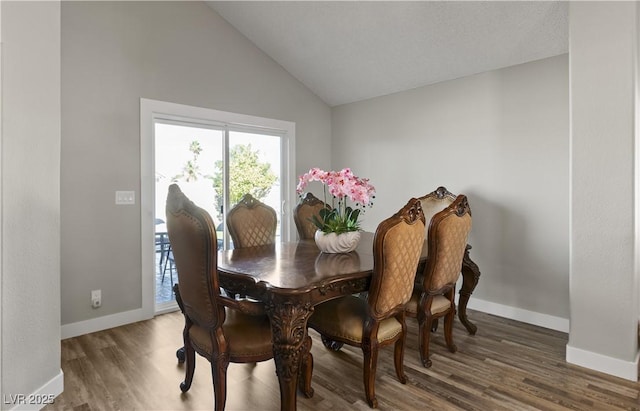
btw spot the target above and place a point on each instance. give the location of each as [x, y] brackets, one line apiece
[508, 365]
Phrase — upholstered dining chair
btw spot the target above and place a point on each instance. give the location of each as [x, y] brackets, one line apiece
[218, 328]
[306, 209]
[434, 202]
[434, 298]
[251, 223]
[379, 320]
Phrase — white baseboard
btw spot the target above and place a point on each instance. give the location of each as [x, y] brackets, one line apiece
[102, 323]
[594, 361]
[602, 363]
[127, 317]
[519, 314]
[39, 399]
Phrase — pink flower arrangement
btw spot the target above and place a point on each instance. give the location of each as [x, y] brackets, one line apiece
[342, 185]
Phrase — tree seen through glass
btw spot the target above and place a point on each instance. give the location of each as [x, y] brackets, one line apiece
[247, 174]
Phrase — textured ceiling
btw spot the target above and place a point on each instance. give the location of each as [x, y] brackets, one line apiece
[346, 51]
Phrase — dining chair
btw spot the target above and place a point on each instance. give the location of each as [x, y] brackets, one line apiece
[170, 264]
[306, 209]
[219, 328]
[434, 202]
[378, 320]
[435, 297]
[251, 223]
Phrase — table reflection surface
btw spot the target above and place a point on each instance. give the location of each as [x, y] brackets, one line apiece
[295, 266]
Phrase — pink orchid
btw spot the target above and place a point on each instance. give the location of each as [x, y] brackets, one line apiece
[341, 185]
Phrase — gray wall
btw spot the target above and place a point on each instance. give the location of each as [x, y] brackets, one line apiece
[604, 83]
[501, 138]
[30, 229]
[114, 53]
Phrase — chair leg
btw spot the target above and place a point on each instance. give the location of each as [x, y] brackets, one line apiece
[448, 331]
[448, 325]
[190, 364]
[434, 325]
[181, 352]
[164, 271]
[398, 356]
[370, 351]
[424, 335]
[331, 344]
[166, 261]
[219, 374]
[306, 370]
[180, 355]
[172, 266]
[161, 260]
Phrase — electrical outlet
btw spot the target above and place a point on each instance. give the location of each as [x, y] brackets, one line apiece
[96, 298]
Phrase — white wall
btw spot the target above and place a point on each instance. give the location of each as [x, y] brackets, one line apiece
[604, 287]
[30, 225]
[501, 138]
[114, 53]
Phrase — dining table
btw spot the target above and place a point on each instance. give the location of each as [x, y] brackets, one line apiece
[290, 278]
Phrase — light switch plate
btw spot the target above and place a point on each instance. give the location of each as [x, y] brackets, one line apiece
[125, 197]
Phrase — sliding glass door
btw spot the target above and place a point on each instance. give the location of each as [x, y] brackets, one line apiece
[215, 159]
[214, 168]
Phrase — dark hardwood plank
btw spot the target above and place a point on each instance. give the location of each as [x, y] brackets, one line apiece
[507, 366]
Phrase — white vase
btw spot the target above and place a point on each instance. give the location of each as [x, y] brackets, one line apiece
[337, 243]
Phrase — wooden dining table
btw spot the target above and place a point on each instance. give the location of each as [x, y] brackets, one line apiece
[291, 278]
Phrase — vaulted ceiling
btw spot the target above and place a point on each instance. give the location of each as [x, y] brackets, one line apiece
[346, 51]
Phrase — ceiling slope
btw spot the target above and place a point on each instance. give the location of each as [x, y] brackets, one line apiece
[347, 51]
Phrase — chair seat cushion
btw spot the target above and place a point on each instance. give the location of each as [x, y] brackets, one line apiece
[247, 336]
[440, 303]
[343, 318]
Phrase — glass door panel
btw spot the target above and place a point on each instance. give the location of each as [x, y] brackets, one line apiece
[255, 168]
[187, 155]
[211, 155]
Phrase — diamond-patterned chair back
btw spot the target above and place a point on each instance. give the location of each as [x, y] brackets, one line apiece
[252, 223]
[397, 246]
[307, 208]
[447, 240]
[193, 241]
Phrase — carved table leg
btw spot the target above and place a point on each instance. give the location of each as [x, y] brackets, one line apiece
[289, 326]
[470, 277]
